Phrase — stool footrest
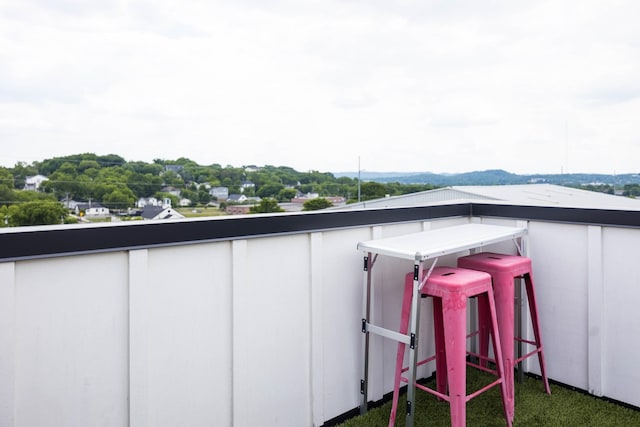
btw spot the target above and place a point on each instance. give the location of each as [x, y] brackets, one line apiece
[482, 368]
[527, 341]
[531, 353]
[420, 363]
[446, 396]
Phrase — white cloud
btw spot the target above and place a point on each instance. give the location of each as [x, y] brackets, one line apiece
[415, 85]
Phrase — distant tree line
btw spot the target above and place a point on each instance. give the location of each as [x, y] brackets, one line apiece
[117, 184]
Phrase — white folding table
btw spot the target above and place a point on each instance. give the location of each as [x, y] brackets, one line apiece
[419, 247]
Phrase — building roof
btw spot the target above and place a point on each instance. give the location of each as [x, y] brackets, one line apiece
[159, 212]
[525, 194]
[150, 211]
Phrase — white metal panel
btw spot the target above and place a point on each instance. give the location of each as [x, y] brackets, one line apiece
[7, 343]
[190, 347]
[241, 332]
[342, 296]
[71, 346]
[506, 246]
[316, 252]
[388, 278]
[276, 316]
[621, 371]
[595, 312]
[139, 324]
[559, 258]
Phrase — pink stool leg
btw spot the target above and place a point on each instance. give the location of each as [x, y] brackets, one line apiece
[454, 310]
[404, 327]
[496, 338]
[504, 294]
[484, 322]
[438, 334]
[533, 309]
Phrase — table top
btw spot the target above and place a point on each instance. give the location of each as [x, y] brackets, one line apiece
[442, 241]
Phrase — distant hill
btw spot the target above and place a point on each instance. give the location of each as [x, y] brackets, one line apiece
[492, 177]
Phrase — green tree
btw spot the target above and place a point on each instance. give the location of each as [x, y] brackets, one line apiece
[267, 205]
[144, 185]
[30, 196]
[286, 194]
[20, 173]
[119, 198]
[316, 204]
[37, 213]
[203, 195]
[372, 190]
[270, 190]
[144, 168]
[61, 184]
[109, 160]
[68, 168]
[5, 213]
[188, 193]
[172, 179]
[631, 190]
[6, 186]
[87, 164]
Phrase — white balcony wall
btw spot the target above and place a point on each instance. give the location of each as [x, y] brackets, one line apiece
[266, 331]
[70, 350]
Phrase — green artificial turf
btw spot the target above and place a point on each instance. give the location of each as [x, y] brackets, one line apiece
[564, 407]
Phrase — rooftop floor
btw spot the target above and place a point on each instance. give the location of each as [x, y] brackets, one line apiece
[564, 407]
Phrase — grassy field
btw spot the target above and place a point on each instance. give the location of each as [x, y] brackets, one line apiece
[200, 212]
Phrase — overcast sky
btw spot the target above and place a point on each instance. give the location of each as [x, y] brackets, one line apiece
[402, 85]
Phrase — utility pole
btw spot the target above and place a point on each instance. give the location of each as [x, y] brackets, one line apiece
[358, 179]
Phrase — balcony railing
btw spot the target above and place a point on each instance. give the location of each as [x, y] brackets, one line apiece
[256, 320]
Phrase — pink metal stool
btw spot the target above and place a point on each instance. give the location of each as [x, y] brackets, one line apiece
[451, 288]
[504, 269]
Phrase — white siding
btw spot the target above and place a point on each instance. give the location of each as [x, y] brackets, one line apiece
[266, 331]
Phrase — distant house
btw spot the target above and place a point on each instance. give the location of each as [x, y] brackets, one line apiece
[237, 209]
[185, 202]
[69, 204]
[91, 209]
[220, 193]
[171, 190]
[147, 201]
[237, 198]
[245, 185]
[33, 182]
[160, 212]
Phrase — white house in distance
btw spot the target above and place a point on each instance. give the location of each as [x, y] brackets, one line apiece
[171, 190]
[33, 182]
[245, 185]
[160, 212]
[220, 193]
[147, 201]
[91, 210]
[237, 198]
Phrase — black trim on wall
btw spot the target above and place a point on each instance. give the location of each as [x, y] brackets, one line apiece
[56, 241]
[608, 217]
[36, 242]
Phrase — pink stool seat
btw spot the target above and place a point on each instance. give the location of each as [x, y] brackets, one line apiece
[503, 270]
[451, 288]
